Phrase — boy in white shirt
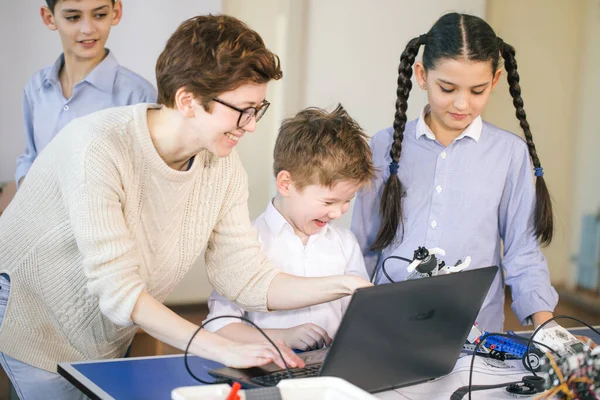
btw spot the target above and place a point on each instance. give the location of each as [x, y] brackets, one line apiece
[320, 161]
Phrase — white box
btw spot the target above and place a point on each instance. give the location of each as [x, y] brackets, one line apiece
[318, 388]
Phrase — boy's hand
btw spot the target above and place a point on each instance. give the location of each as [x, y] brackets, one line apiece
[306, 337]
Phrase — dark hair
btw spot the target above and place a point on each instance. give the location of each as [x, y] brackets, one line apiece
[317, 147]
[52, 3]
[459, 37]
[212, 54]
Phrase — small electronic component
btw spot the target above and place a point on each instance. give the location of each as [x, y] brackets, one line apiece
[426, 264]
[559, 339]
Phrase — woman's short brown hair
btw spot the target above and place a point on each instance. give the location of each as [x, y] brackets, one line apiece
[212, 54]
[317, 147]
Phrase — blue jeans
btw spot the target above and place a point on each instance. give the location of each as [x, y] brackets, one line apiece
[32, 383]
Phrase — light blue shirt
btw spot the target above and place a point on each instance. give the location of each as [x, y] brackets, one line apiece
[466, 198]
[46, 111]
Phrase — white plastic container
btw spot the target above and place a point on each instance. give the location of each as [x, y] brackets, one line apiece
[319, 388]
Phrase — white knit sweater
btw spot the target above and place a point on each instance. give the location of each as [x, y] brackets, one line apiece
[101, 217]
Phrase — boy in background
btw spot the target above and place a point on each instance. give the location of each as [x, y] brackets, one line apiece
[85, 78]
[320, 161]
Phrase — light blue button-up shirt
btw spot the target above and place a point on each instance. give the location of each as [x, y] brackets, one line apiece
[46, 111]
[466, 198]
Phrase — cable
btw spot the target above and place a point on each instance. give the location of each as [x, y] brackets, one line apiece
[187, 348]
[461, 391]
[383, 266]
[484, 337]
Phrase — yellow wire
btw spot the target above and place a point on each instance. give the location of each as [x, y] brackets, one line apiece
[563, 385]
[555, 368]
[580, 379]
[546, 394]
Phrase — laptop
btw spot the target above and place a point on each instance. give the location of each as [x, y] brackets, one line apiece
[391, 335]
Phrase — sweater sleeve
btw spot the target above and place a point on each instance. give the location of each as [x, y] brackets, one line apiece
[111, 260]
[235, 264]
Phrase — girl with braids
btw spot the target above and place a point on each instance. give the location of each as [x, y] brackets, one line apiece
[451, 180]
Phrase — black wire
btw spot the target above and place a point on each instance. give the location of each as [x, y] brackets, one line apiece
[187, 348]
[483, 339]
[461, 391]
[396, 257]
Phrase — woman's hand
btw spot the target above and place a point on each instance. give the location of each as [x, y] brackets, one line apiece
[239, 355]
[354, 282]
[306, 337]
[168, 327]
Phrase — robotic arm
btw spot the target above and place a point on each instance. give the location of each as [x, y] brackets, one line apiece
[426, 264]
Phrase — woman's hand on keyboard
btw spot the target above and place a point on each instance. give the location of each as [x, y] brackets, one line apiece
[305, 337]
[241, 355]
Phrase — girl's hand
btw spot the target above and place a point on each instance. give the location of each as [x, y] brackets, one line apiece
[586, 340]
[238, 355]
[306, 337]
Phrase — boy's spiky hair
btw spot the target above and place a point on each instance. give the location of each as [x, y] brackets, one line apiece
[317, 147]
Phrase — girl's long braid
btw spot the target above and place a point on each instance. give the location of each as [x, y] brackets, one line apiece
[391, 200]
[543, 220]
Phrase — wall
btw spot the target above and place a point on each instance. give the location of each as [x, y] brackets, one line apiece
[585, 172]
[548, 41]
[270, 18]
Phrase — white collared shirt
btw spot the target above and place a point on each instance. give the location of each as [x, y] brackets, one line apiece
[473, 130]
[332, 251]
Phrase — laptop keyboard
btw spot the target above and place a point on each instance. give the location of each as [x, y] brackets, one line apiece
[273, 378]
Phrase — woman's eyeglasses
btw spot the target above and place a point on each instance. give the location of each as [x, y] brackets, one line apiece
[246, 114]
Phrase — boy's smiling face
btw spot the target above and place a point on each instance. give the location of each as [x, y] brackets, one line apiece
[308, 210]
[83, 25]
